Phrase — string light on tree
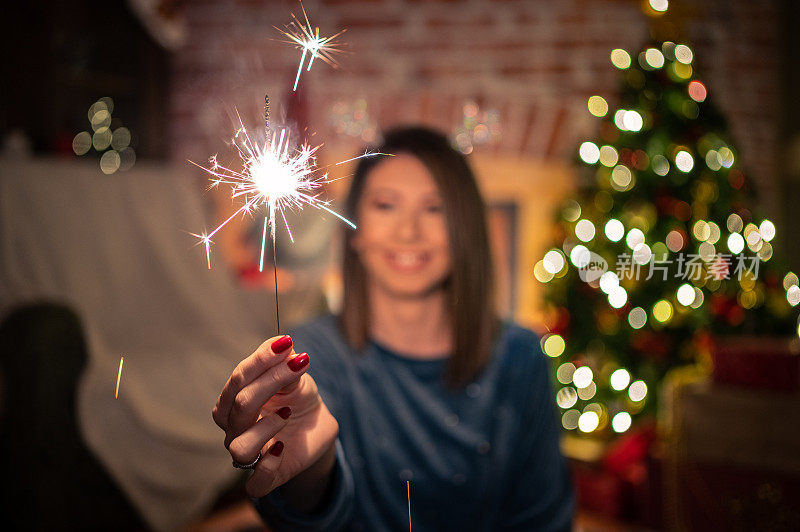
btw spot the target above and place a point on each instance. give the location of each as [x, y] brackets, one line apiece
[662, 247]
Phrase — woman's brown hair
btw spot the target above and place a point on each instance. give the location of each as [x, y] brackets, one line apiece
[469, 288]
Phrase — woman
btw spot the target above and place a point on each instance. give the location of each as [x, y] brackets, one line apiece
[415, 381]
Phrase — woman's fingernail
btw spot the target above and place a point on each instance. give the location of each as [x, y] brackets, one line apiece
[281, 344]
[298, 362]
[276, 449]
[284, 412]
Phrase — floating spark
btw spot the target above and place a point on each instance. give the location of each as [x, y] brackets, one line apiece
[273, 175]
[308, 39]
[119, 374]
[408, 491]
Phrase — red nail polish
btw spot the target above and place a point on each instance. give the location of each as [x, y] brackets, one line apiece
[284, 412]
[276, 449]
[281, 344]
[298, 362]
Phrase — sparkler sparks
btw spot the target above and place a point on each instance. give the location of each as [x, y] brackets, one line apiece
[119, 374]
[273, 175]
[308, 39]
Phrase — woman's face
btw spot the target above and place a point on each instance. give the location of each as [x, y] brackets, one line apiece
[402, 233]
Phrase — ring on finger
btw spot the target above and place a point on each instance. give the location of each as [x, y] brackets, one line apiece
[251, 465]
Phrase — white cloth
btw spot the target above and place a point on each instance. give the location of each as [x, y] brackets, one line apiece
[116, 249]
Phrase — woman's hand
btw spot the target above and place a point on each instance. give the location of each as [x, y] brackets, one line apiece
[270, 404]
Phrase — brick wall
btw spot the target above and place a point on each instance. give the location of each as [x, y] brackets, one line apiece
[534, 61]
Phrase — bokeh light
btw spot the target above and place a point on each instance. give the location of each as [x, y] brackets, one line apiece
[589, 152]
[598, 106]
[697, 91]
[588, 421]
[620, 58]
[584, 230]
[553, 345]
[659, 5]
[683, 54]
[637, 318]
[614, 230]
[684, 161]
[82, 143]
[582, 377]
[637, 391]
[620, 379]
[621, 422]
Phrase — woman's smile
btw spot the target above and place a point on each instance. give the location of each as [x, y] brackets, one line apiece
[406, 261]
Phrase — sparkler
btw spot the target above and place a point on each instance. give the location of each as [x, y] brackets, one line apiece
[119, 374]
[308, 39]
[275, 176]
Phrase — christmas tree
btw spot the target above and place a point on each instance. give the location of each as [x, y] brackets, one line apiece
[661, 249]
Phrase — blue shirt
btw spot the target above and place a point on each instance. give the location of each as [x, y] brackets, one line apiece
[482, 458]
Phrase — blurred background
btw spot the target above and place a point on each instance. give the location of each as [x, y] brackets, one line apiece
[672, 124]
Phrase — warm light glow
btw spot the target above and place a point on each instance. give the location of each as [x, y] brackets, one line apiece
[793, 295]
[621, 422]
[570, 419]
[564, 372]
[683, 54]
[654, 57]
[614, 230]
[587, 392]
[571, 211]
[701, 230]
[618, 297]
[628, 120]
[82, 143]
[637, 318]
[660, 165]
[735, 243]
[588, 421]
[634, 238]
[620, 58]
[553, 345]
[598, 106]
[554, 261]
[621, 177]
[589, 152]
[541, 273]
[685, 294]
[582, 377]
[637, 391]
[566, 397]
[767, 230]
[580, 256]
[660, 6]
[725, 156]
[684, 161]
[620, 379]
[662, 311]
[608, 156]
[642, 253]
[109, 162]
[697, 91]
[584, 230]
[609, 282]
